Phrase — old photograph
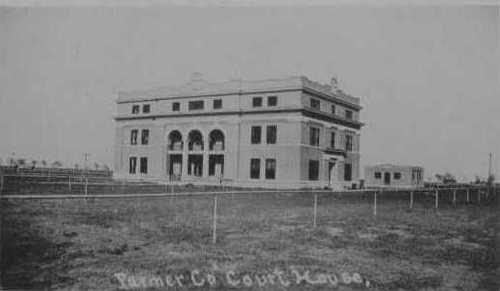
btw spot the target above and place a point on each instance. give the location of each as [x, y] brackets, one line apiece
[249, 145]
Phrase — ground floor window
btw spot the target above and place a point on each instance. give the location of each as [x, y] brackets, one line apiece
[255, 168]
[347, 172]
[270, 168]
[195, 165]
[144, 165]
[132, 165]
[313, 170]
[216, 165]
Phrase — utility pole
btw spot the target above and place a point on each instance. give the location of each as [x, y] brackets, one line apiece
[490, 170]
[86, 159]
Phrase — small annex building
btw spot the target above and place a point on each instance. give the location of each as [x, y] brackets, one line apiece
[388, 175]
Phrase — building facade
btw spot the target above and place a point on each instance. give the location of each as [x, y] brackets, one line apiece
[289, 132]
[387, 175]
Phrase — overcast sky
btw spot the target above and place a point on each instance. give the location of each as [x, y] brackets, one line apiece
[428, 77]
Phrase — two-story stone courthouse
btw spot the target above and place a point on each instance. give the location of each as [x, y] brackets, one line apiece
[289, 132]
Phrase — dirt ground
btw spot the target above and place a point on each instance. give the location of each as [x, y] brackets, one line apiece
[264, 242]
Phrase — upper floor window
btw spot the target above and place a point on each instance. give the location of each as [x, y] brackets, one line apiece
[397, 175]
[145, 136]
[347, 172]
[196, 105]
[176, 106]
[256, 134]
[270, 169]
[332, 140]
[257, 102]
[272, 100]
[333, 109]
[348, 143]
[146, 108]
[315, 104]
[271, 132]
[133, 136]
[378, 175]
[135, 109]
[217, 104]
[314, 136]
[348, 114]
[254, 168]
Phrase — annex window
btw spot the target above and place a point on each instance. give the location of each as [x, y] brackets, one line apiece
[146, 108]
[314, 136]
[271, 131]
[144, 165]
[332, 140]
[257, 102]
[270, 169]
[255, 134]
[135, 109]
[145, 136]
[195, 105]
[272, 100]
[378, 175]
[254, 168]
[333, 109]
[313, 170]
[133, 136]
[397, 175]
[217, 104]
[348, 143]
[176, 106]
[132, 164]
[315, 104]
[347, 172]
[348, 114]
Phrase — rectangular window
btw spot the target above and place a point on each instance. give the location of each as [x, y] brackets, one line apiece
[271, 131]
[332, 140]
[347, 172]
[313, 170]
[348, 114]
[256, 134]
[145, 136]
[217, 103]
[146, 108]
[254, 168]
[315, 104]
[348, 143]
[132, 165]
[144, 165]
[333, 109]
[314, 136]
[270, 169]
[378, 175]
[176, 106]
[272, 100]
[257, 102]
[397, 175]
[135, 109]
[196, 105]
[133, 136]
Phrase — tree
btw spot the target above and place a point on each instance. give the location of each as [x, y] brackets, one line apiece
[76, 166]
[105, 167]
[96, 166]
[33, 164]
[447, 178]
[44, 163]
[56, 164]
[491, 179]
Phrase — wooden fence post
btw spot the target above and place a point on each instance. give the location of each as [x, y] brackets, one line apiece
[69, 184]
[436, 200]
[468, 195]
[214, 222]
[375, 203]
[315, 209]
[454, 196]
[411, 199]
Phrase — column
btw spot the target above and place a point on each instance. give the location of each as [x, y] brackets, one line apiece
[205, 156]
[184, 170]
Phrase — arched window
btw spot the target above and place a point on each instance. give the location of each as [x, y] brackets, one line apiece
[175, 141]
[195, 141]
[216, 140]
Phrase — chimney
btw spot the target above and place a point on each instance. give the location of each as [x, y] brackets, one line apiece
[334, 84]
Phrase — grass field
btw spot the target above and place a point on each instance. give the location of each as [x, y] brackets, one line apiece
[263, 243]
